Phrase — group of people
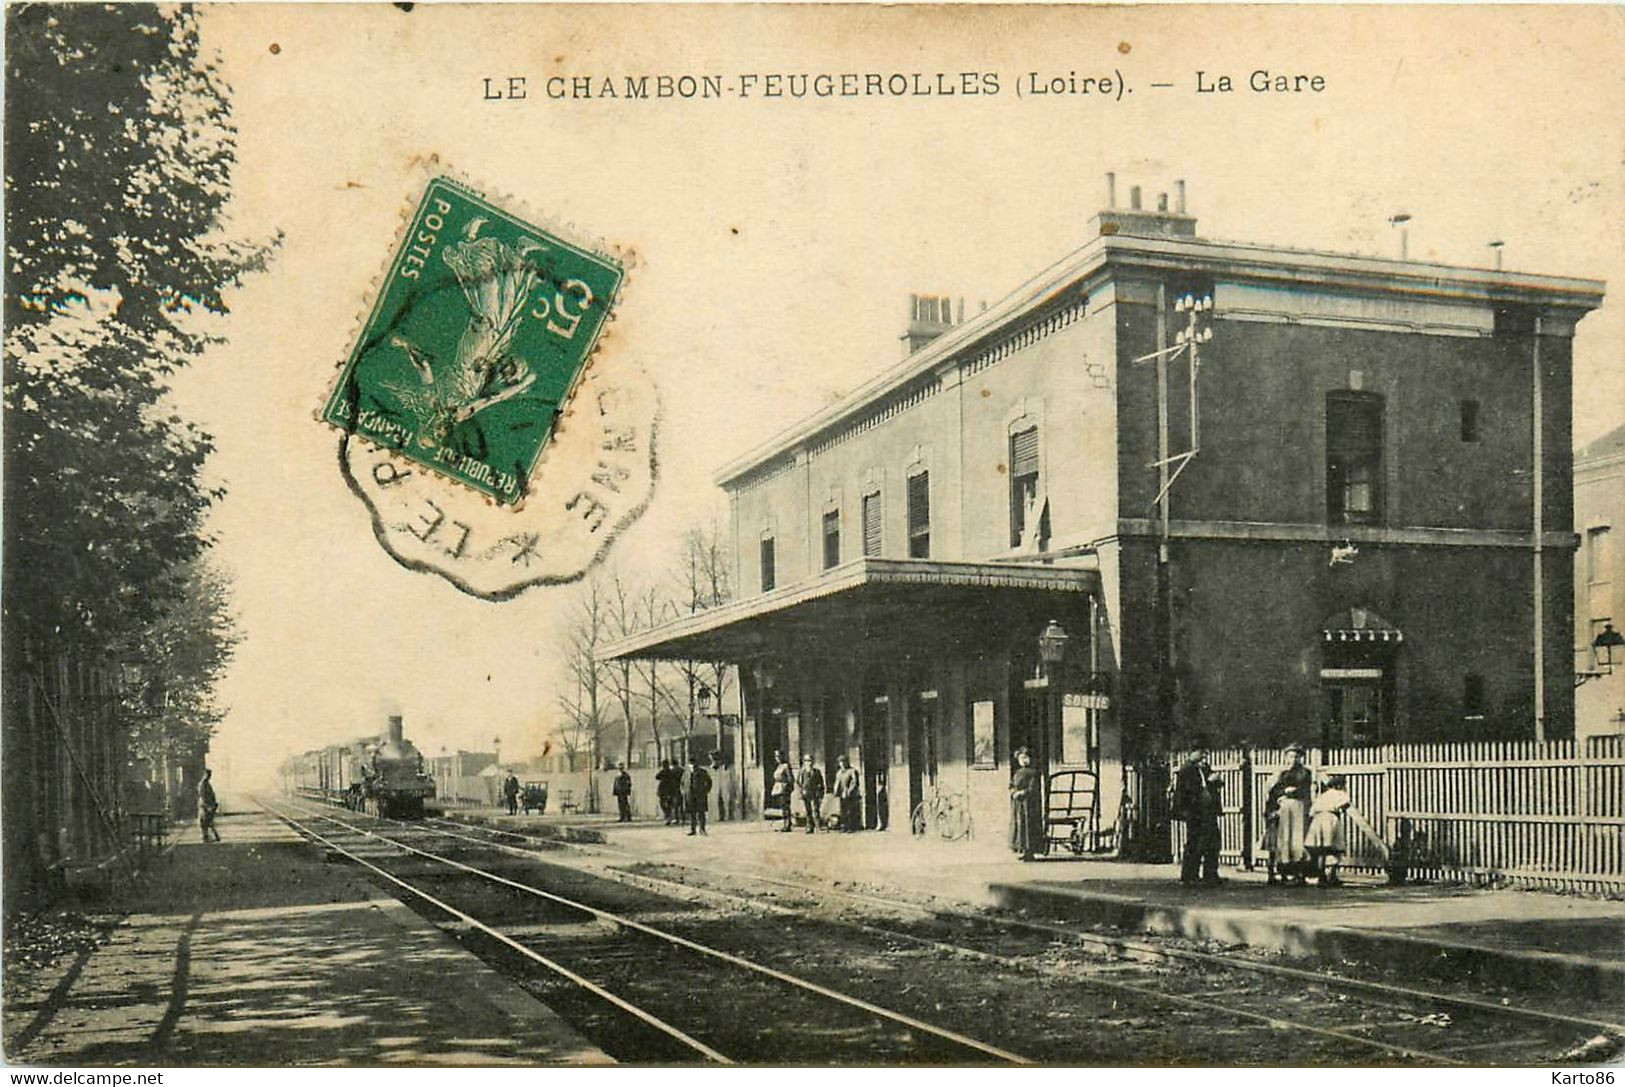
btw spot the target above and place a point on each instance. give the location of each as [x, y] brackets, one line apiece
[684, 792]
[846, 789]
[1303, 830]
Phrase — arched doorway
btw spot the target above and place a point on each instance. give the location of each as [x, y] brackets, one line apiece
[1358, 673]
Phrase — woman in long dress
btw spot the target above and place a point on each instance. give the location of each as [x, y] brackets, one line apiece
[1289, 804]
[1026, 815]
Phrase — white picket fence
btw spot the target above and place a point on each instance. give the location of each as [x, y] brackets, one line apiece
[1536, 814]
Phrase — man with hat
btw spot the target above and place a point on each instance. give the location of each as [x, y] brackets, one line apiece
[1189, 796]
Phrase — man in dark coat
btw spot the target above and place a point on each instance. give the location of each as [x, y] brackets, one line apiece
[207, 806]
[1190, 787]
[811, 783]
[668, 785]
[696, 795]
[1203, 830]
[510, 793]
[623, 794]
[847, 785]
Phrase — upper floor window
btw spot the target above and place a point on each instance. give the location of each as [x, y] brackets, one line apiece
[767, 564]
[832, 538]
[871, 523]
[1469, 420]
[1353, 458]
[919, 515]
[1023, 481]
[1472, 696]
[1599, 555]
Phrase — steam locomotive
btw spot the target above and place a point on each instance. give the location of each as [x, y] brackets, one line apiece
[383, 775]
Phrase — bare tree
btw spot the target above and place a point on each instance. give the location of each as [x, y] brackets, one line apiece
[704, 581]
[583, 706]
[622, 616]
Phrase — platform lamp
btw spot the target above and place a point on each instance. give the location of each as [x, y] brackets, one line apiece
[1603, 647]
[1052, 648]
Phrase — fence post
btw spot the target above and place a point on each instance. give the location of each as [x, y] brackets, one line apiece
[1247, 802]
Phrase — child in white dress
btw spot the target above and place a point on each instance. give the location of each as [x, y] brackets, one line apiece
[1326, 841]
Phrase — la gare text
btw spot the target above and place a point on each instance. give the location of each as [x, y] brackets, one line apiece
[1108, 84]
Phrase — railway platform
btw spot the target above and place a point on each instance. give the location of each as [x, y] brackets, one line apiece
[1542, 940]
[255, 952]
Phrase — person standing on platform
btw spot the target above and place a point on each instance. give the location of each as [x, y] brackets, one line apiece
[846, 795]
[623, 795]
[207, 805]
[882, 809]
[1204, 830]
[1026, 799]
[811, 783]
[1288, 801]
[779, 792]
[719, 781]
[664, 791]
[510, 793]
[1326, 839]
[696, 795]
[1190, 784]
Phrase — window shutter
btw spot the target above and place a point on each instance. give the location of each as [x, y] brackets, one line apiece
[919, 503]
[1024, 453]
[871, 524]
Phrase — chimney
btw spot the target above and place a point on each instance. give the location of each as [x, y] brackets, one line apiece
[395, 731]
[1137, 221]
[929, 316]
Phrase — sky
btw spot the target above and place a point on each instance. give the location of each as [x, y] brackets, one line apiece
[776, 242]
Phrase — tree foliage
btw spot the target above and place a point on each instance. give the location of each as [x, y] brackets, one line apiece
[119, 152]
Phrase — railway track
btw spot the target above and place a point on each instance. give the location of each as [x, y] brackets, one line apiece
[1134, 980]
[1570, 1031]
[850, 1027]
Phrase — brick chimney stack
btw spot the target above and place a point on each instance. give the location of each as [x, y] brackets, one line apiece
[1141, 222]
[929, 316]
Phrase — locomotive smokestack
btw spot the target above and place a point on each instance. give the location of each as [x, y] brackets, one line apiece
[395, 731]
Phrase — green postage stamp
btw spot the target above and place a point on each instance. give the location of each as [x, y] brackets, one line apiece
[480, 331]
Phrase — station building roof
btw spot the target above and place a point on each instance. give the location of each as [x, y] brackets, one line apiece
[869, 606]
[1118, 248]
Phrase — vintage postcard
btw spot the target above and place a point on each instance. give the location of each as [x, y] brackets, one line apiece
[898, 536]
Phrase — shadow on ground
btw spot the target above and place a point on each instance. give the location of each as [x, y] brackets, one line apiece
[256, 952]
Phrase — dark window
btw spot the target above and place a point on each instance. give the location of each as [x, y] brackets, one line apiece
[832, 539]
[1469, 420]
[1353, 459]
[1023, 481]
[767, 563]
[1472, 696]
[871, 524]
[919, 516]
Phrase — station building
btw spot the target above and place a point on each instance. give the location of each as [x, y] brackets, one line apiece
[1171, 487]
[1599, 586]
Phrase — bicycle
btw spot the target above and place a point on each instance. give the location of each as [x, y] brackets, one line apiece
[946, 813]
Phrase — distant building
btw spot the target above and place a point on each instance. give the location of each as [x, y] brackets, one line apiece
[1350, 525]
[457, 776]
[1599, 584]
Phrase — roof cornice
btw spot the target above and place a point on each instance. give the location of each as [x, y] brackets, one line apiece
[1108, 255]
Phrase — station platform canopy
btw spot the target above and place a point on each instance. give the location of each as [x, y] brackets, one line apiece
[877, 608]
